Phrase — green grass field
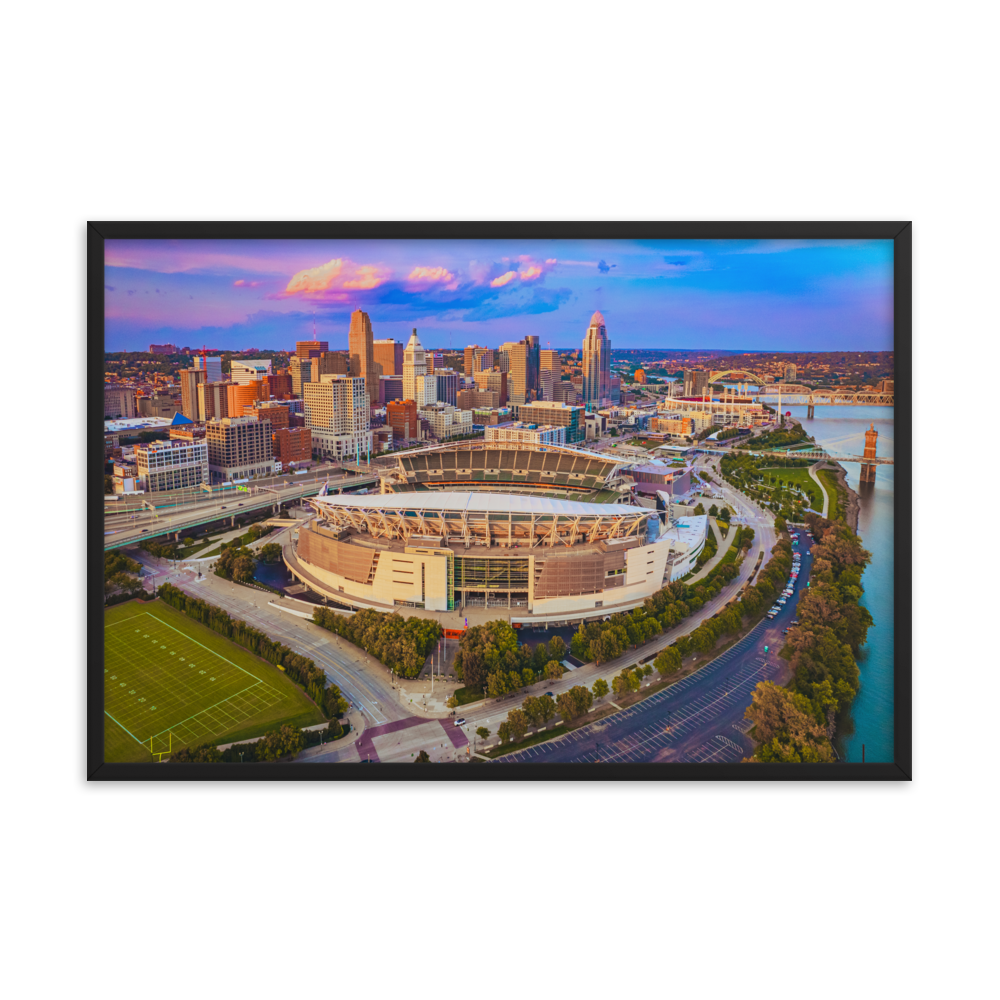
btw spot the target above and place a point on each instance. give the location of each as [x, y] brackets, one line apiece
[170, 681]
[797, 477]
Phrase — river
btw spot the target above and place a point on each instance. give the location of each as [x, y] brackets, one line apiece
[841, 430]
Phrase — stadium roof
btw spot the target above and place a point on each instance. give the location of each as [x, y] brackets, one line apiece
[494, 503]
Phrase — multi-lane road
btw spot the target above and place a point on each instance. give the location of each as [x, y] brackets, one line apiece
[700, 719]
[129, 521]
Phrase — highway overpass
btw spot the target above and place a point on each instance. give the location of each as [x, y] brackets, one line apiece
[144, 518]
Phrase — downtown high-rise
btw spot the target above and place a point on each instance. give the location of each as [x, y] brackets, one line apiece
[596, 364]
[360, 347]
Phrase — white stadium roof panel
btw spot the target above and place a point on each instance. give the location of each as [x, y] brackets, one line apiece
[494, 503]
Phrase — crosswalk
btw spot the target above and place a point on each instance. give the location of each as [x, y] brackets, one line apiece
[671, 725]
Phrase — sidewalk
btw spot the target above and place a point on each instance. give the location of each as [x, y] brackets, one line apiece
[822, 489]
[357, 721]
[723, 548]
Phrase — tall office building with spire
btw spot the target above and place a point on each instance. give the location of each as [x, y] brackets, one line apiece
[596, 364]
[361, 351]
[417, 384]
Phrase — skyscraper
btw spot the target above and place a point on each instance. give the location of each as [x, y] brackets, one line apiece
[330, 363]
[302, 371]
[389, 354]
[493, 381]
[212, 367]
[417, 385]
[191, 378]
[517, 372]
[338, 413]
[791, 373]
[311, 348]
[360, 346]
[249, 371]
[533, 361]
[596, 364]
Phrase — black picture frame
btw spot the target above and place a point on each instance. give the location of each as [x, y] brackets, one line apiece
[899, 232]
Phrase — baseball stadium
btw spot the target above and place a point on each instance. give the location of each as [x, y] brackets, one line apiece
[548, 533]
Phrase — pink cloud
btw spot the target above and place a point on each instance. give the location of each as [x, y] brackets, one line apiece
[551, 260]
[368, 276]
[335, 275]
[532, 272]
[503, 279]
[245, 284]
[433, 276]
[238, 283]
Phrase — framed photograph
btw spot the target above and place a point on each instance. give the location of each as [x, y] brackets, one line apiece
[518, 501]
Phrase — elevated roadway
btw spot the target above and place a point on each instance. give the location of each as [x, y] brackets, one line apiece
[143, 518]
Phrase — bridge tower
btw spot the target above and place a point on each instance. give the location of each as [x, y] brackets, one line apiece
[871, 443]
[811, 411]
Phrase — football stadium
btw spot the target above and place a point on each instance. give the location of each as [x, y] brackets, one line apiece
[548, 533]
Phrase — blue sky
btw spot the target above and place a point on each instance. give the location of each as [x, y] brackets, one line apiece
[791, 295]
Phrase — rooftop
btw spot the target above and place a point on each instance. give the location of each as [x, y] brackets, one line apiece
[502, 503]
[687, 532]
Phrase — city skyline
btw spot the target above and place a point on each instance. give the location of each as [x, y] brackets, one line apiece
[787, 295]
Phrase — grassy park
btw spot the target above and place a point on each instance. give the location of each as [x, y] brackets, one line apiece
[170, 682]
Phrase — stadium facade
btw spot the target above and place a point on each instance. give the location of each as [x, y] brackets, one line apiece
[471, 525]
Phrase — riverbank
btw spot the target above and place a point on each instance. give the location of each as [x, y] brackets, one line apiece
[850, 502]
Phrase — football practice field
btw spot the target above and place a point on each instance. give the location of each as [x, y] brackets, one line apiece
[171, 682]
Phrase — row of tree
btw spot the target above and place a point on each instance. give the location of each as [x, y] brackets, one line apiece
[402, 644]
[287, 741]
[798, 723]
[300, 669]
[491, 659]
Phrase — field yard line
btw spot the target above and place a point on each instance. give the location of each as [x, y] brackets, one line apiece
[196, 714]
[117, 723]
[130, 617]
[212, 651]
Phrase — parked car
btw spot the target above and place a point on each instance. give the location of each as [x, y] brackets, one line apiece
[460, 722]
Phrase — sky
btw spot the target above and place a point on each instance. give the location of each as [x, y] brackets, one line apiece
[752, 295]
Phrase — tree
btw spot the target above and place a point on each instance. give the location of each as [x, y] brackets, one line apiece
[574, 702]
[518, 722]
[647, 670]
[270, 553]
[713, 511]
[725, 514]
[557, 648]
[482, 732]
[700, 509]
[187, 541]
[497, 684]
[335, 729]
[553, 670]
[600, 687]
[504, 731]
[527, 677]
[668, 662]
[785, 729]
[423, 758]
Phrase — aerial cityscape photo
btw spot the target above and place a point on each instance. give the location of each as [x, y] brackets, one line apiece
[481, 502]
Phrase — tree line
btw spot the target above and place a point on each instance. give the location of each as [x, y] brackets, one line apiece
[798, 723]
[402, 644]
[300, 669]
[490, 659]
